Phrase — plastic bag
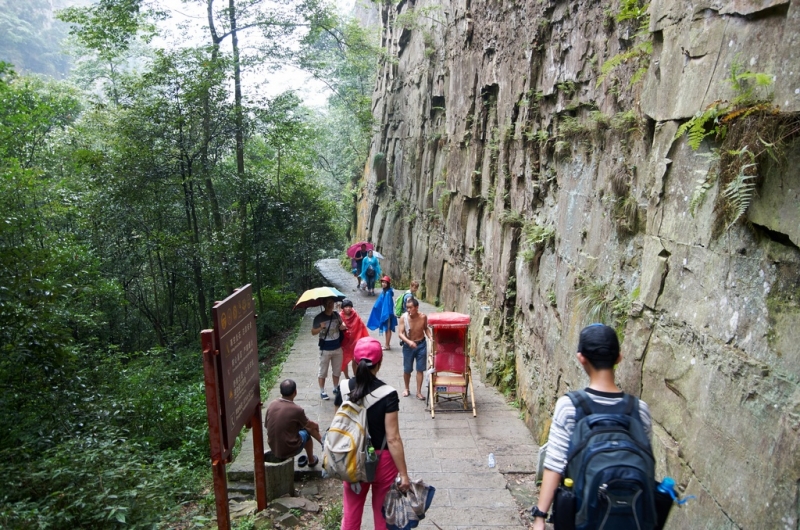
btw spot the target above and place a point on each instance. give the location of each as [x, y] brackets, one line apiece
[405, 510]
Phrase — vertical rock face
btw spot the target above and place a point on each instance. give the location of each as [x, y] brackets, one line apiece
[534, 167]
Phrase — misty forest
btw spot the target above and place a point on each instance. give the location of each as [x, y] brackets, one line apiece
[141, 181]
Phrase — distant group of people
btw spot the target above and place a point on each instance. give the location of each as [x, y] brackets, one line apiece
[366, 269]
[345, 344]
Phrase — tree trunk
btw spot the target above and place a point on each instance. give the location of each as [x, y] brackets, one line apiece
[239, 121]
[204, 162]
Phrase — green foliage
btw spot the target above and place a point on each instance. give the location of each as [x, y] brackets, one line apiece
[571, 126]
[131, 436]
[740, 190]
[109, 26]
[31, 39]
[640, 53]
[598, 120]
[551, 298]
[511, 218]
[702, 125]
[275, 310]
[626, 210]
[749, 129]
[332, 516]
[534, 238]
[625, 121]
[706, 183]
[634, 10]
[343, 54]
[604, 303]
[122, 222]
[99, 481]
[714, 119]
[567, 87]
[503, 373]
[746, 84]
[444, 200]
[541, 135]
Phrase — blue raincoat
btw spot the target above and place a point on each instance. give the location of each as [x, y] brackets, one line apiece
[375, 265]
[382, 316]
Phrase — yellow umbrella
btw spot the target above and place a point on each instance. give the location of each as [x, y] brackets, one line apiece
[317, 296]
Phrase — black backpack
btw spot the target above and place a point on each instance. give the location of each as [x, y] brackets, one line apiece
[612, 467]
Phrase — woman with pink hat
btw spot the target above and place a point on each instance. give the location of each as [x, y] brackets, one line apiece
[384, 430]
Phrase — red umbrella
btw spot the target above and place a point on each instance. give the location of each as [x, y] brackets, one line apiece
[351, 252]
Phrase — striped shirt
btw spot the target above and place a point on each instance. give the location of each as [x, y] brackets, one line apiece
[564, 424]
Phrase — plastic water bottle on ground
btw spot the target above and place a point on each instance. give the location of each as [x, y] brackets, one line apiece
[491, 460]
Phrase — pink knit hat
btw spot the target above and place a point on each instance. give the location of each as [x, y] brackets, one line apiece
[368, 349]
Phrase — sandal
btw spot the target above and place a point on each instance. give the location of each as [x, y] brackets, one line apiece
[420, 397]
[302, 461]
[406, 393]
[314, 463]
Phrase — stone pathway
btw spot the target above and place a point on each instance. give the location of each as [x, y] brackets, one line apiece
[449, 452]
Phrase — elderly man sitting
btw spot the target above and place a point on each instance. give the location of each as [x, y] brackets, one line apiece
[289, 431]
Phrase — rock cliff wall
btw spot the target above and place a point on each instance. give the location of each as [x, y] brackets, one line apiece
[535, 166]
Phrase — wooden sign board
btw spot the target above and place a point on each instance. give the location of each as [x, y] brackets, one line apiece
[237, 363]
[233, 397]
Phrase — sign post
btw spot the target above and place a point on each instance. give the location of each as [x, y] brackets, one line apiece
[233, 396]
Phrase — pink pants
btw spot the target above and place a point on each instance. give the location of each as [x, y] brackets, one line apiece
[354, 503]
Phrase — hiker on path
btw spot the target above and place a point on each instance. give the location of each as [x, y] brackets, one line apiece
[357, 261]
[289, 431]
[370, 271]
[413, 332]
[328, 324]
[598, 352]
[355, 330]
[382, 424]
[411, 293]
[400, 304]
[382, 316]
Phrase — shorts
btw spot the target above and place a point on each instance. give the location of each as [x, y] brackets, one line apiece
[420, 354]
[332, 357]
[305, 437]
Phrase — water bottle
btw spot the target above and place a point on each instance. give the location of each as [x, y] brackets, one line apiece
[371, 465]
[665, 498]
[564, 506]
[491, 460]
[667, 486]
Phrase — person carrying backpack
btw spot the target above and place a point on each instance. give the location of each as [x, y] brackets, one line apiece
[600, 440]
[400, 303]
[384, 431]
[370, 271]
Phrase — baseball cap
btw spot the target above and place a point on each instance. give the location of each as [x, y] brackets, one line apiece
[386, 279]
[599, 342]
[368, 349]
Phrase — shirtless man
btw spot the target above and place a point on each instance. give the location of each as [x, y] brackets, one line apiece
[413, 329]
